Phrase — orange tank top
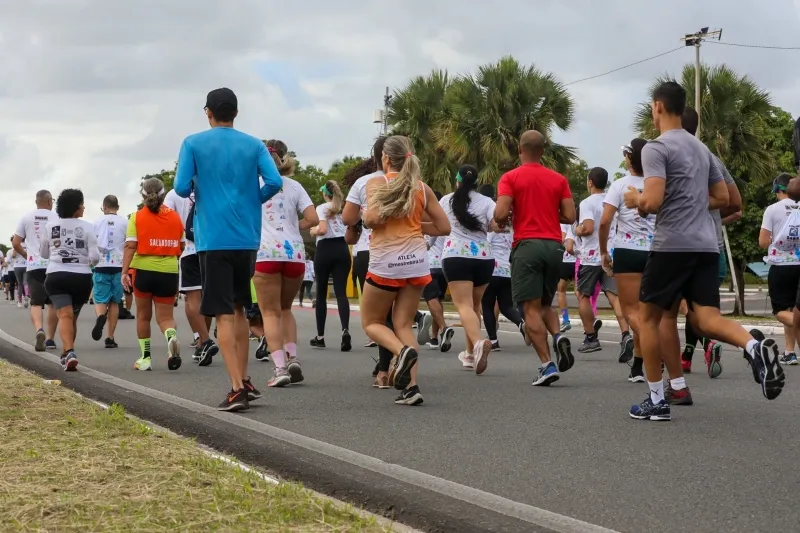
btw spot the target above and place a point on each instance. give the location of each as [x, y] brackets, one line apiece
[159, 233]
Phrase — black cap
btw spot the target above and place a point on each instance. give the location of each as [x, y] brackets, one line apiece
[221, 98]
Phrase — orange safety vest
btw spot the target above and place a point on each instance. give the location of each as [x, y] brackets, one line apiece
[159, 233]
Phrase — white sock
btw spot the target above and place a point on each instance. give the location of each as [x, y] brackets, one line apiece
[656, 391]
[751, 347]
[678, 383]
[279, 358]
[291, 349]
[544, 365]
[788, 352]
[196, 336]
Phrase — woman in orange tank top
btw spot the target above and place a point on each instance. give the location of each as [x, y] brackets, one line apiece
[400, 209]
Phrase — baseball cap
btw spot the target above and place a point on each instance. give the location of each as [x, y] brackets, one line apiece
[220, 98]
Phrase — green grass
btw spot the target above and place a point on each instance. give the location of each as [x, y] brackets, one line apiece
[66, 465]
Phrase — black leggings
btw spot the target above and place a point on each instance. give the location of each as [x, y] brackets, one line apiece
[499, 290]
[332, 258]
[12, 282]
[360, 266]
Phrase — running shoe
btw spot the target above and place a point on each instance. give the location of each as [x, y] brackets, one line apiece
[482, 350]
[547, 375]
[370, 344]
[597, 325]
[280, 378]
[433, 344]
[563, 350]
[262, 352]
[347, 341]
[99, 324]
[380, 382]
[647, 410]
[788, 359]
[195, 342]
[770, 373]
[252, 392]
[402, 371]
[196, 353]
[143, 363]
[19, 305]
[409, 396]
[174, 353]
[295, 370]
[40, 345]
[677, 397]
[70, 361]
[589, 345]
[686, 365]
[467, 361]
[758, 336]
[111, 343]
[636, 374]
[253, 337]
[446, 338]
[524, 333]
[565, 326]
[713, 355]
[235, 401]
[626, 348]
[207, 351]
[316, 342]
[424, 323]
[50, 344]
[26, 302]
[496, 346]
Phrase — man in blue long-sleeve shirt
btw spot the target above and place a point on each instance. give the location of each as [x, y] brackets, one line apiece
[222, 167]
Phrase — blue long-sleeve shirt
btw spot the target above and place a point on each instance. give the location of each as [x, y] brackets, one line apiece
[222, 166]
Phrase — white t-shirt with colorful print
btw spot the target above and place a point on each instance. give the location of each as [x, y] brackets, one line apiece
[465, 243]
[280, 226]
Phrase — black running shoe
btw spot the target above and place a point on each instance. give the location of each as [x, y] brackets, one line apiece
[647, 410]
[402, 372]
[235, 401]
[316, 342]
[262, 352]
[111, 343]
[347, 341]
[563, 349]
[446, 338]
[757, 335]
[410, 396]
[626, 352]
[252, 392]
[597, 325]
[770, 372]
[99, 324]
[207, 352]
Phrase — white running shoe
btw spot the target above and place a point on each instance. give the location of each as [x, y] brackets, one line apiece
[467, 361]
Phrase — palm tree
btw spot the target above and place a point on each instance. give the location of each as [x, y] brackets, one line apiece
[485, 114]
[733, 118]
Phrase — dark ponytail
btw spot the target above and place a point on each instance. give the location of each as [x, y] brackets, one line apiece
[459, 202]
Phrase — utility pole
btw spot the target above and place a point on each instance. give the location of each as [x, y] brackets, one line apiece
[387, 99]
[696, 39]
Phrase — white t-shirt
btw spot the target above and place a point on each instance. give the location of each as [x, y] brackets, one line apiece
[71, 246]
[591, 209]
[32, 228]
[501, 249]
[336, 227]
[632, 231]
[280, 224]
[775, 217]
[309, 273]
[463, 242]
[182, 206]
[435, 248]
[566, 229]
[358, 196]
[20, 261]
[110, 232]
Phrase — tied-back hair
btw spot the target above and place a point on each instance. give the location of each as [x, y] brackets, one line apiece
[397, 197]
[334, 192]
[280, 154]
[460, 200]
[153, 194]
[367, 166]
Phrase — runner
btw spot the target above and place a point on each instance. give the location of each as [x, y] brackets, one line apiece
[682, 182]
[110, 232]
[31, 229]
[631, 246]
[467, 261]
[541, 201]
[191, 283]
[256, 324]
[308, 281]
[227, 227]
[331, 259]
[567, 274]
[434, 292]
[4, 274]
[784, 273]
[154, 241]
[398, 263]
[20, 264]
[71, 247]
[12, 276]
[280, 265]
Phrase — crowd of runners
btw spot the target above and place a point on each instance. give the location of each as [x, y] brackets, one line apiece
[228, 238]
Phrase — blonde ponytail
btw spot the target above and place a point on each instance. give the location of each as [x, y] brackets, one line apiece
[397, 198]
[280, 154]
[332, 190]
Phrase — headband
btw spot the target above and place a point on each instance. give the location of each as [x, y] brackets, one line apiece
[459, 179]
[325, 190]
[777, 187]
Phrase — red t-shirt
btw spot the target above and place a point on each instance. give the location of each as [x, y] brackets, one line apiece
[536, 193]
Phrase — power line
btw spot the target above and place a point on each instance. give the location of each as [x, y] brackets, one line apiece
[757, 46]
[624, 67]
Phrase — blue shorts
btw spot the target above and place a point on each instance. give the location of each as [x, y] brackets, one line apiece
[107, 287]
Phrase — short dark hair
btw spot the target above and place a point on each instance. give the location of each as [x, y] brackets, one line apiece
[782, 180]
[689, 120]
[68, 203]
[225, 113]
[438, 195]
[111, 202]
[598, 176]
[487, 190]
[672, 96]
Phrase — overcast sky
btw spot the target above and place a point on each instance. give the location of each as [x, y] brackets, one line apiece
[95, 94]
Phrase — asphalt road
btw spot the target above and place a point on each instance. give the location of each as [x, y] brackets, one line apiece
[488, 453]
[756, 303]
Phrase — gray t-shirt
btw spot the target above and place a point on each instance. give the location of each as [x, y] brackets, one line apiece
[715, 214]
[684, 223]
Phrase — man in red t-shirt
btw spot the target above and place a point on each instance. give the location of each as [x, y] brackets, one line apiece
[541, 201]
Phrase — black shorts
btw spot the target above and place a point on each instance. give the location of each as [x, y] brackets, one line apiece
[190, 274]
[784, 287]
[629, 261]
[567, 272]
[437, 288]
[226, 278]
[360, 267]
[478, 271]
[38, 294]
[670, 276]
[588, 278]
[161, 287]
[68, 289]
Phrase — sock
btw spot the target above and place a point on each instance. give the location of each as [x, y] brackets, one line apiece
[196, 336]
[678, 383]
[787, 352]
[279, 357]
[637, 362]
[656, 391]
[170, 333]
[544, 365]
[565, 315]
[751, 348]
[144, 346]
[290, 348]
